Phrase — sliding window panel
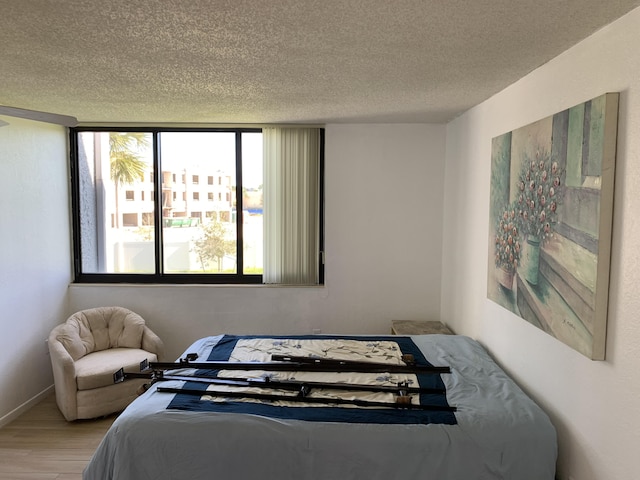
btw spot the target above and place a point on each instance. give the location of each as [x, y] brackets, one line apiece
[116, 202]
[198, 177]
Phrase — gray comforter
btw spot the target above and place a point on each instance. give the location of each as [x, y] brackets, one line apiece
[501, 434]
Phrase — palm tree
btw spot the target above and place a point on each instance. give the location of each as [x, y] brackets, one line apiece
[127, 165]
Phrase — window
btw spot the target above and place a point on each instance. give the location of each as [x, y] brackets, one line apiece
[130, 219]
[163, 239]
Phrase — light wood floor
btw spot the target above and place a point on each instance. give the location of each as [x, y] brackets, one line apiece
[41, 444]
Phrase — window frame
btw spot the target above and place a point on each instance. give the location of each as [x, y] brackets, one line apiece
[159, 276]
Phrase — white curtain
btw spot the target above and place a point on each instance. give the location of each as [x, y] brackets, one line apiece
[291, 205]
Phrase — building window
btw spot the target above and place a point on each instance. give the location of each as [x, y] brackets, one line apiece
[130, 219]
[173, 243]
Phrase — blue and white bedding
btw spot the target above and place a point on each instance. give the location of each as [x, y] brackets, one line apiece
[497, 431]
[386, 350]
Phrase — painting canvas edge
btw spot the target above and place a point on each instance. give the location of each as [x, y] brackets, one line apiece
[605, 233]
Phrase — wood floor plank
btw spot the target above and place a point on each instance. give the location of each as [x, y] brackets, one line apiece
[42, 445]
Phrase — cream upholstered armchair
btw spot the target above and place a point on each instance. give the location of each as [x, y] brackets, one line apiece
[85, 352]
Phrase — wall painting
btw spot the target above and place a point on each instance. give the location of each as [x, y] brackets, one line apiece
[550, 222]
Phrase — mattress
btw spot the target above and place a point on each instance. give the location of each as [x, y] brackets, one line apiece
[495, 432]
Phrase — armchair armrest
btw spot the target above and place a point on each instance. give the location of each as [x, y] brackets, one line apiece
[152, 343]
[64, 374]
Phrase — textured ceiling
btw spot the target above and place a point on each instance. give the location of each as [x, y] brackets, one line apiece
[279, 61]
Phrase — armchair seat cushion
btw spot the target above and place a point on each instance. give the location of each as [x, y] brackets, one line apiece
[96, 369]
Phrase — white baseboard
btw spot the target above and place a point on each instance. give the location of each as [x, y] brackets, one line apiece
[16, 412]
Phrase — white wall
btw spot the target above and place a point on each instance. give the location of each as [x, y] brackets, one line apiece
[35, 256]
[384, 187]
[594, 405]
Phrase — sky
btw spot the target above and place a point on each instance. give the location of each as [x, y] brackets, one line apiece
[194, 150]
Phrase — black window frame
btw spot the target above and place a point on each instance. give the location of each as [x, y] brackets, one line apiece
[159, 276]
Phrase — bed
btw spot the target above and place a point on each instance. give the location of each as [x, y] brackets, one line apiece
[495, 432]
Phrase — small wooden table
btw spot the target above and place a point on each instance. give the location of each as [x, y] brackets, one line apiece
[415, 327]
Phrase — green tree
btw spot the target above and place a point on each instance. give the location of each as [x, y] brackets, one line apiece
[126, 163]
[213, 245]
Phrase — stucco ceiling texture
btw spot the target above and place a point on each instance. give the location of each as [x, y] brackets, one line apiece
[279, 61]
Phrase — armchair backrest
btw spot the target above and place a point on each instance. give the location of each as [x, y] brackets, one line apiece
[100, 328]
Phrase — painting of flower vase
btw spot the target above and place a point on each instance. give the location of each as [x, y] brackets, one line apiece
[551, 212]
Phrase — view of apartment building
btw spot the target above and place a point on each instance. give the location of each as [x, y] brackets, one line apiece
[193, 195]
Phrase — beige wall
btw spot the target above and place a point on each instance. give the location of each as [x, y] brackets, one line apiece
[594, 405]
[383, 190]
[384, 185]
[35, 255]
